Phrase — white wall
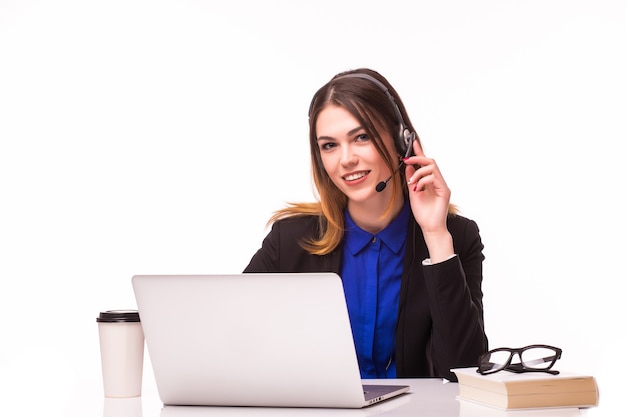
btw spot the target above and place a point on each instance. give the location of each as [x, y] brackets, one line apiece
[159, 136]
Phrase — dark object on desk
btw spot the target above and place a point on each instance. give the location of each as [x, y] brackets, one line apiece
[508, 390]
[532, 358]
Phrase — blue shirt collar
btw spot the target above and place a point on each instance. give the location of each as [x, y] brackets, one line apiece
[393, 236]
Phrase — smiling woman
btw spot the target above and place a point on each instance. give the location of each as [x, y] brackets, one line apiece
[351, 160]
[411, 268]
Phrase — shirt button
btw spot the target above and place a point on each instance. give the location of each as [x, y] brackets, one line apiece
[374, 239]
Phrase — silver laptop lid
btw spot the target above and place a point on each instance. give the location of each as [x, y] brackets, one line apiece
[250, 339]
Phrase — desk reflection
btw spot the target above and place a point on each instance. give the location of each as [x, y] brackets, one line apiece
[426, 398]
[122, 407]
[468, 409]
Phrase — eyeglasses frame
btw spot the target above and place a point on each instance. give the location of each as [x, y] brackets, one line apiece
[520, 367]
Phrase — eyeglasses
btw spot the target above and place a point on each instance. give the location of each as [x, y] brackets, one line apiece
[532, 358]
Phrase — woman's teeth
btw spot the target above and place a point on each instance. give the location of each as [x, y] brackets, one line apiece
[355, 176]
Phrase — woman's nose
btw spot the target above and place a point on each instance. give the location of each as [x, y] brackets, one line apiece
[348, 157]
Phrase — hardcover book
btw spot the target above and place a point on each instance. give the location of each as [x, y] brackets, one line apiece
[508, 390]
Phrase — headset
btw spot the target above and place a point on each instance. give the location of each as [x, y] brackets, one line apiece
[404, 138]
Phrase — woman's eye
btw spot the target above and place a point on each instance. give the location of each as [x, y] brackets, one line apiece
[327, 146]
[362, 137]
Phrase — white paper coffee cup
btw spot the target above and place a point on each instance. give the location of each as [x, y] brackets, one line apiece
[121, 352]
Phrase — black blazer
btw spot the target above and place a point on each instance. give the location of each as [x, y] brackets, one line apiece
[440, 314]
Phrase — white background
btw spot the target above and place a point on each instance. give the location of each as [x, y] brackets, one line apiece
[159, 136]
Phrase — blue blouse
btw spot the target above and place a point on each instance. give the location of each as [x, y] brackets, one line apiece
[371, 272]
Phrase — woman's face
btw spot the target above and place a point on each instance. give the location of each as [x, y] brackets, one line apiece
[349, 155]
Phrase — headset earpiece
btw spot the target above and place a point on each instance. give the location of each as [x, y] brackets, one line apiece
[409, 137]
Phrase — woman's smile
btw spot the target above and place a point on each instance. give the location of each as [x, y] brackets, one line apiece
[352, 177]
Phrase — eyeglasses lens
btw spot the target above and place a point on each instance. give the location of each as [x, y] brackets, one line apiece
[495, 360]
[538, 357]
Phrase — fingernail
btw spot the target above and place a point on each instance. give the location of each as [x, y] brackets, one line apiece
[404, 158]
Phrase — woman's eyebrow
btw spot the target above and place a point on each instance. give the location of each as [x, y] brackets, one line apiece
[350, 133]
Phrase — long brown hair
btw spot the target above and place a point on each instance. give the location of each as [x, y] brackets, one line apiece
[371, 106]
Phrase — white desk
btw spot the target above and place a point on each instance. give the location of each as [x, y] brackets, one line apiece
[427, 397]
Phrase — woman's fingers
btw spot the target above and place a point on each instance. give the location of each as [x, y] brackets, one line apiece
[417, 148]
[419, 166]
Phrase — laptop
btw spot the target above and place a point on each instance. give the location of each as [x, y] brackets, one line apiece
[263, 340]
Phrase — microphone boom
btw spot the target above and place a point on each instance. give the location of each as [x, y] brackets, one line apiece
[381, 185]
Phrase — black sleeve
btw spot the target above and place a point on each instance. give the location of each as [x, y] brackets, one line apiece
[455, 300]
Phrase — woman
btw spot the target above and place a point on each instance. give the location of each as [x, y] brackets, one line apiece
[411, 266]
